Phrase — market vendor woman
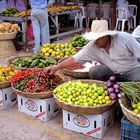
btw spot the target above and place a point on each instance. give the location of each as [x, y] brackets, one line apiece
[116, 51]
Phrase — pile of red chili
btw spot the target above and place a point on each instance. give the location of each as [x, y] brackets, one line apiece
[75, 67]
[35, 81]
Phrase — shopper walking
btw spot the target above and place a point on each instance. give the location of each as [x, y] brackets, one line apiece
[39, 18]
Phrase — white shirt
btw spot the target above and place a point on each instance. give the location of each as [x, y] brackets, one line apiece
[122, 55]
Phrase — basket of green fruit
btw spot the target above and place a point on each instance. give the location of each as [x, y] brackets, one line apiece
[130, 101]
[27, 62]
[78, 42]
[83, 97]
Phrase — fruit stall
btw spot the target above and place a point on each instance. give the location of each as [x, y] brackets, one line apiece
[12, 15]
[88, 106]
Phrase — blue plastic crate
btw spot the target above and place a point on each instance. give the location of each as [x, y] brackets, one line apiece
[129, 131]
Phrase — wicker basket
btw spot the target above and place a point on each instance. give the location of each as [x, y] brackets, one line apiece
[24, 68]
[41, 95]
[4, 85]
[131, 116]
[7, 36]
[76, 74]
[85, 110]
[10, 61]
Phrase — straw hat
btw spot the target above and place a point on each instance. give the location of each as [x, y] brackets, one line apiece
[99, 28]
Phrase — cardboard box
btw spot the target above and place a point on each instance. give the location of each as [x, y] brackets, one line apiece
[92, 125]
[7, 98]
[42, 109]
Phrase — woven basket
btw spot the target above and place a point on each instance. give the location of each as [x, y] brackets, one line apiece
[131, 116]
[7, 36]
[10, 61]
[85, 110]
[24, 68]
[41, 95]
[76, 74]
[4, 85]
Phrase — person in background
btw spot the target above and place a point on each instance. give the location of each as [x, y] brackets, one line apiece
[11, 3]
[3, 5]
[124, 4]
[39, 18]
[117, 52]
[20, 5]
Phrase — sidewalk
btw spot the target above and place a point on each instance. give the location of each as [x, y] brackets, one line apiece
[18, 126]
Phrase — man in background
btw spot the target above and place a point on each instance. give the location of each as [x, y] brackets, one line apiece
[39, 18]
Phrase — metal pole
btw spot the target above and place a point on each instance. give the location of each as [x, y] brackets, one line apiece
[26, 23]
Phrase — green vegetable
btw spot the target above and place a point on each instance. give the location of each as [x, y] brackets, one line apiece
[132, 90]
[78, 41]
[37, 60]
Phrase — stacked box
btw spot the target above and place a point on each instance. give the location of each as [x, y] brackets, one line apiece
[129, 131]
[92, 125]
[42, 109]
[7, 98]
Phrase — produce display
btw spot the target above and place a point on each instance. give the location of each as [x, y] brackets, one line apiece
[6, 73]
[8, 12]
[57, 50]
[113, 88]
[82, 94]
[6, 27]
[35, 81]
[132, 91]
[23, 13]
[35, 61]
[51, 10]
[78, 41]
[59, 9]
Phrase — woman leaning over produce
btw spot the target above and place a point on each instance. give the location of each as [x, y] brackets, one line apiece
[116, 51]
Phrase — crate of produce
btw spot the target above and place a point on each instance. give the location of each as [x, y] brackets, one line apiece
[129, 131]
